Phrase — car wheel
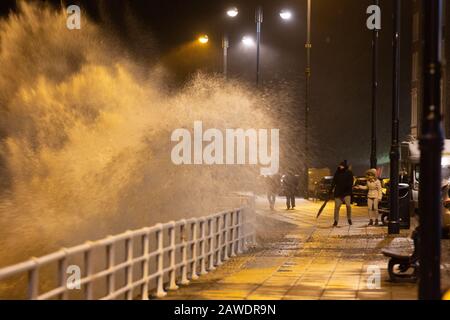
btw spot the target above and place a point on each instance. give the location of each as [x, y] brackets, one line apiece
[384, 219]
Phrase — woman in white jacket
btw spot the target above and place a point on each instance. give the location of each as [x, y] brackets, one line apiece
[374, 195]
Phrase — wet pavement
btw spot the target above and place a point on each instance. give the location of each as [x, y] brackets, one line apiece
[303, 258]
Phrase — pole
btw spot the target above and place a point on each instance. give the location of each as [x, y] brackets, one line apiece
[393, 224]
[225, 46]
[307, 93]
[259, 20]
[373, 149]
[431, 146]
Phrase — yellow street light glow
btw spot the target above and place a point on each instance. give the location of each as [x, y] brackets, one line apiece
[203, 39]
[285, 14]
[232, 12]
[248, 41]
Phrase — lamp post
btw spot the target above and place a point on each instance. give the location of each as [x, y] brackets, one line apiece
[431, 145]
[231, 13]
[373, 149]
[393, 224]
[258, 20]
[307, 93]
[225, 45]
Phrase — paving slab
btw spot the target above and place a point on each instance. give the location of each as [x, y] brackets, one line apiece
[299, 257]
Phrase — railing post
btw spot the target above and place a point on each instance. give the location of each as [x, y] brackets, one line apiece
[232, 233]
[173, 269]
[202, 248]
[160, 263]
[88, 290]
[184, 265]
[210, 245]
[251, 221]
[110, 260]
[218, 242]
[33, 281]
[194, 253]
[62, 274]
[225, 237]
[145, 264]
[239, 231]
[129, 268]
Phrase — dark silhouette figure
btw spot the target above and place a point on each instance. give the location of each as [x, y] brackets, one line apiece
[342, 186]
[290, 184]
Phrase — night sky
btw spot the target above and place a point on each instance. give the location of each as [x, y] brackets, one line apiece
[341, 59]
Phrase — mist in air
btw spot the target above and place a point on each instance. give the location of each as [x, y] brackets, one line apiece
[85, 136]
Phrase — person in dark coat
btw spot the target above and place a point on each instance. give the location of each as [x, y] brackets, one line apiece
[290, 184]
[341, 188]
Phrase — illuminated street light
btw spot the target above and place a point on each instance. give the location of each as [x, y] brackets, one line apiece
[248, 41]
[286, 14]
[203, 39]
[232, 12]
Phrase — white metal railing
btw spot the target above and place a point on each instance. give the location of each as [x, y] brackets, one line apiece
[162, 256]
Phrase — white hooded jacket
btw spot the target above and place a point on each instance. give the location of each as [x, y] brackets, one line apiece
[374, 188]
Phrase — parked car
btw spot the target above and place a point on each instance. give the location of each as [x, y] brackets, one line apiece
[323, 187]
[384, 190]
[359, 196]
[446, 211]
[314, 177]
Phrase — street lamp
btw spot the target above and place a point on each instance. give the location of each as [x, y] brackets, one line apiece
[203, 39]
[232, 12]
[248, 41]
[286, 14]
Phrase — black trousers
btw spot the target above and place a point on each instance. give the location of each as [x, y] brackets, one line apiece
[290, 200]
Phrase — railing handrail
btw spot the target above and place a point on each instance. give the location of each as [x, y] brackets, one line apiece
[226, 236]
